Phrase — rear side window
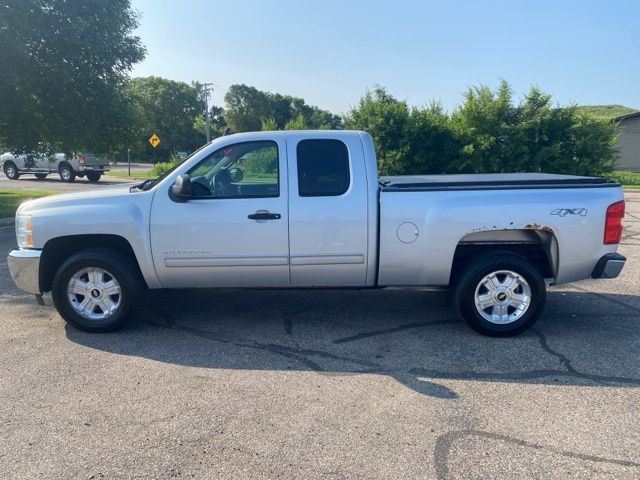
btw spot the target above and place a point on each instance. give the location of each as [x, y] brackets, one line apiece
[323, 168]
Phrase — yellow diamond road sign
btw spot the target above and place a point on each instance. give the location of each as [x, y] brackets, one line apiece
[154, 140]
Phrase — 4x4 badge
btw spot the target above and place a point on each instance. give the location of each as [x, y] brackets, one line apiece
[563, 212]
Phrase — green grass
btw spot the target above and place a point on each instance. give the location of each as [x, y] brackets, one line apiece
[10, 199]
[136, 174]
[606, 112]
[627, 179]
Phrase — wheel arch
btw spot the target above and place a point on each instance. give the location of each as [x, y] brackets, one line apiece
[65, 163]
[539, 246]
[56, 250]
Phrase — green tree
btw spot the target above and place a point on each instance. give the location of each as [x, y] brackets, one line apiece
[169, 109]
[217, 123]
[498, 135]
[297, 123]
[386, 119]
[269, 124]
[63, 64]
[488, 132]
[247, 108]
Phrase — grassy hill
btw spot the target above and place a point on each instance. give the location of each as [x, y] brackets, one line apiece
[606, 112]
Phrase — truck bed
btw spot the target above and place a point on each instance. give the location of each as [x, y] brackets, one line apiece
[490, 181]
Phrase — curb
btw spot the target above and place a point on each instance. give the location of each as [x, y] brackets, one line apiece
[6, 221]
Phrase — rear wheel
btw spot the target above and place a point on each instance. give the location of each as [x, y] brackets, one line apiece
[67, 174]
[93, 177]
[11, 171]
[94, 290]
[500, 294]
[41, 176]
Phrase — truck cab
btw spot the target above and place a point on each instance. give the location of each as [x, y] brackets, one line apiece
[270, 210]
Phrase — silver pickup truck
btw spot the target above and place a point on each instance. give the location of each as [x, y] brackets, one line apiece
[307, 209]
[68, 167]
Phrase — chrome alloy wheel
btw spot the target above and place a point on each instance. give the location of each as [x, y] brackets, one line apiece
[10, 171]
[502, 297]
[65, 173]
[94, 293]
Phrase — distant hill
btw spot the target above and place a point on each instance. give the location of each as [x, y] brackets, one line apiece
[606, 112]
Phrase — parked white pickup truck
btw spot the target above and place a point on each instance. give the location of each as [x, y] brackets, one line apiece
[68, 167]
[307, 209]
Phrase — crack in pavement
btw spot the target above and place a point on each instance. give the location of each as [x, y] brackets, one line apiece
[303, 356]
[296, 353]
[289, 316]
[445, 441]
[528, 374]
[385, 331]
[545, 346]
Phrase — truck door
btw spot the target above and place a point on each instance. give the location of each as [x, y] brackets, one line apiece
[232, 231]
[327, 210]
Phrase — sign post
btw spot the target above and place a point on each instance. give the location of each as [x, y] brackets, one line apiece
[129, 160]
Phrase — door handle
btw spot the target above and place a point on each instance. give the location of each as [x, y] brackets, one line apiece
[264, 216]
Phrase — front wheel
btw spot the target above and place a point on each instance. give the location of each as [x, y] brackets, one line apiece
[93, 177]
[500, 294]
[11, 171]
[94, 290]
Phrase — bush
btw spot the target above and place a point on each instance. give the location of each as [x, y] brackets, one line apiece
[626, 178]
[161, 168]
[487, 133]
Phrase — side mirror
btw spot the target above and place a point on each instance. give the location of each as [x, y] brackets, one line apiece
[182, 186]
[236, 174]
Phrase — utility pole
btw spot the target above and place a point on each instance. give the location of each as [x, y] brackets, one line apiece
[208, 89]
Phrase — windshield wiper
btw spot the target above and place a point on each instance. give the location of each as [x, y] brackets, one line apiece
[146, 185]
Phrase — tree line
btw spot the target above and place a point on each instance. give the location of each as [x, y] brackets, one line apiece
[65, 85]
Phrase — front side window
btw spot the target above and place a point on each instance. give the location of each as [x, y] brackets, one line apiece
[248, 169]
[323, 168]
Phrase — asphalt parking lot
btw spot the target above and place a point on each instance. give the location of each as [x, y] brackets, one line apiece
[324, 384]
[53, 182]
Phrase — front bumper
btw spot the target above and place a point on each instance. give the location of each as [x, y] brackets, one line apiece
[24, 266]
[609, 266]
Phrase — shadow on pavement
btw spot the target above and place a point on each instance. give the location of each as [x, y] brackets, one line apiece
[411, 335]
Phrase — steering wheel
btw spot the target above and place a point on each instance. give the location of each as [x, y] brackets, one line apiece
[218, 186]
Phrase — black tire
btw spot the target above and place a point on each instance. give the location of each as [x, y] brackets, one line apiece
[120, 267]
[67, 174]
[11, 171]
[469, 282]
[93, 177]
[41, 176]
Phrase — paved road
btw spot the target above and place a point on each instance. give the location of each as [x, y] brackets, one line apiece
[53, 182]
[325, 384]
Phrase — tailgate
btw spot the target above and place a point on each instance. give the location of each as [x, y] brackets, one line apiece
[92, 160]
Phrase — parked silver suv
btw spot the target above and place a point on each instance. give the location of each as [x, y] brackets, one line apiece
[68, 168]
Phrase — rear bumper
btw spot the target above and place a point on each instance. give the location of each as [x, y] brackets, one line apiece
[94, 168]
[609, 266]
[24, 266]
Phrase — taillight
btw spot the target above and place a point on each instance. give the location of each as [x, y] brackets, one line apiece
[80, 159]
[613, 223]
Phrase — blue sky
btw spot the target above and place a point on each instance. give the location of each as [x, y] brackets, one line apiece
[329, 51]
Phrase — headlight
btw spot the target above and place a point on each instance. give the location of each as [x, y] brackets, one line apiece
[23, 231]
